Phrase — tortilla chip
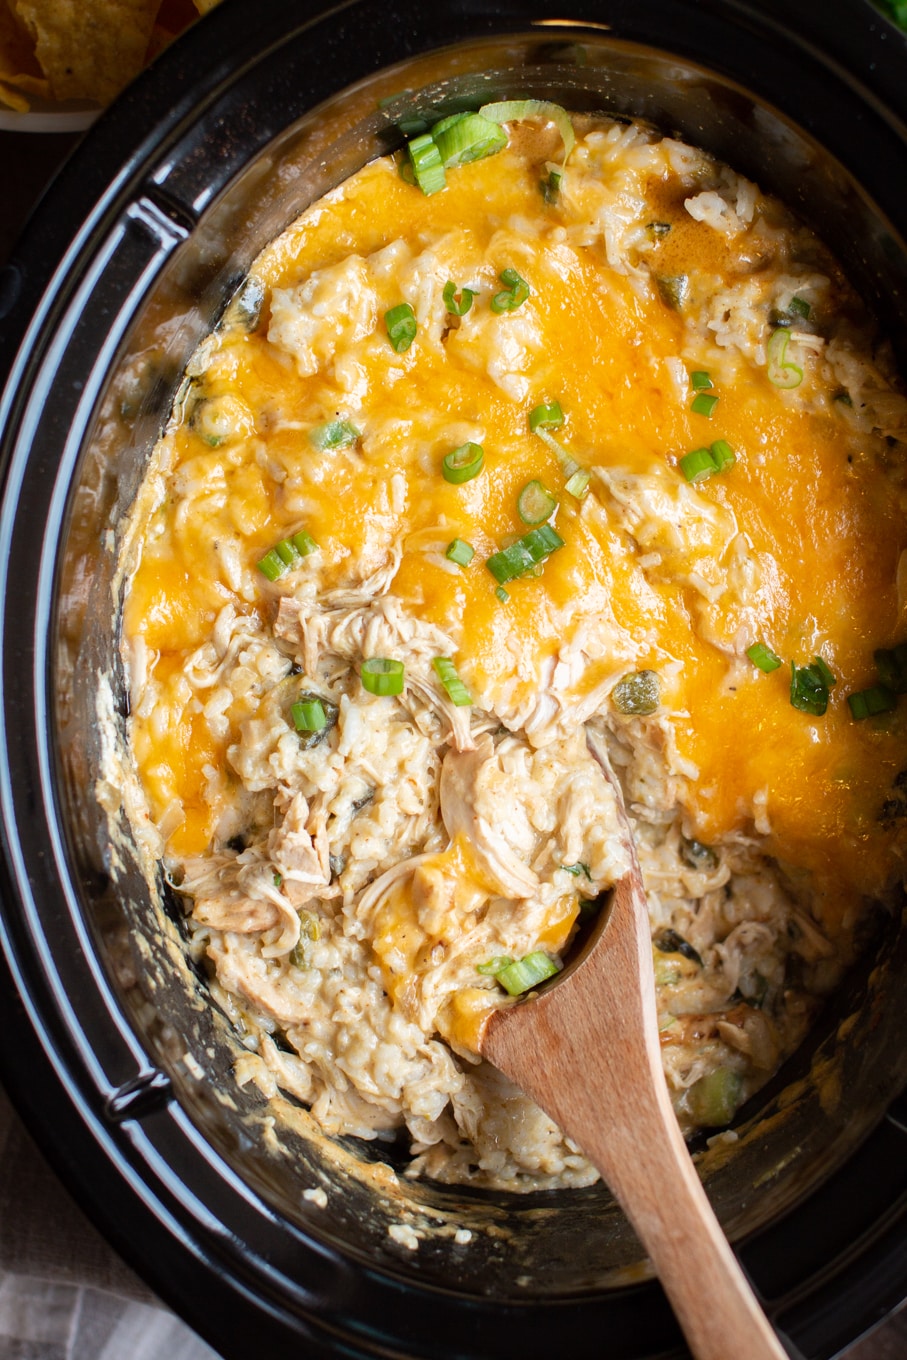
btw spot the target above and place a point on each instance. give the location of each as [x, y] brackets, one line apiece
[88, 49]
[20, 74]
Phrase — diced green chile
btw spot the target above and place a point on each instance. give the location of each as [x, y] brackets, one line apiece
[714, 1098]
[637, 694]
[669, 942]
[673, 289]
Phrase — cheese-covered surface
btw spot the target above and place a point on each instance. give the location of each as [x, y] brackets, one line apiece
[347, 885]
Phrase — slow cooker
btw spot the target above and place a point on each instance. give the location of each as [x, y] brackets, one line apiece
[261, 1235]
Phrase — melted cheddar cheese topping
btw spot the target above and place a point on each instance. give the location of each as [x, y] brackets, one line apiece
[797, 545]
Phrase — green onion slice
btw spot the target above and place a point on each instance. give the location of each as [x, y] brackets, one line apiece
[546, 416]
[461, 552]
[704, 403]
[515, 293]
[309, 715]
[700, 380]
[382, 675]
[457, 300]
[519, 558]
[723, 455]
[467, 137]
[272, 565]
[492, 967]
[809, 686]
[464, 463]
[446, 672]
[535, 503]
[698, 464]
[516, 110]
[427, 164]
[763, 657]
[523, 974]
[780, 371]
[891, 665]
[869, 703]
[304, 543]
[333, 434]
[286, 554]
[577, 484]
[799, 307]
[502, 594]
[401, 326]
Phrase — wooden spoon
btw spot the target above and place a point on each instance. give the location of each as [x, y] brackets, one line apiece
[586, 1050]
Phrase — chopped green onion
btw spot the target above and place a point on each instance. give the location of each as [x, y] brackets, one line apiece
[516, 291]
[868, 703]
[809, 686]
[578, 484]
[428, 167]
[304, 543]
[492, 967]
[723, 454]
[547, 416]
[446, 672]
[704, 403]
[535, 503]
[524, 974]
[698, 464]
[333, 434]
[287, 551]
[309, 716]
[824, 670]
[637, 694]
[780, 371]
[763, 657]
[272, 565]
[464, 463]
[382, 675]
[577, 869]
[673, 289]
[457, 300]
[658, 229]
[285, 554]
[799, 306]
[449, 121]
[520, 557]
[401, 326]
[502, 594]
[700, 380]
[892, 667]
[516, 110]
[467, 137]
[461, 552]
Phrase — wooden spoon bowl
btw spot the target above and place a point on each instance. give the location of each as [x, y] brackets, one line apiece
[586, 1049]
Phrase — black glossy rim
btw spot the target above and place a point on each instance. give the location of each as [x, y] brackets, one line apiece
[207, 1252]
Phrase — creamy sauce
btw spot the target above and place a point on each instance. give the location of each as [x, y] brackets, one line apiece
[797, 545]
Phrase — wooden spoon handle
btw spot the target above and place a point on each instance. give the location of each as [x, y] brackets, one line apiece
[587, 1052]
[658, 1187]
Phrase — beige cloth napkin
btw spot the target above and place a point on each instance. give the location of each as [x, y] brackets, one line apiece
[64, 1293]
